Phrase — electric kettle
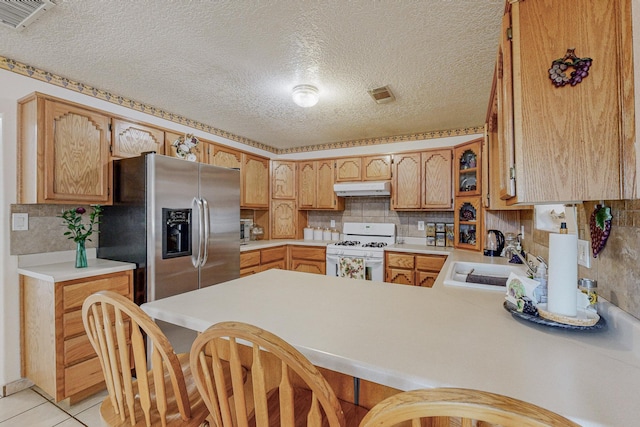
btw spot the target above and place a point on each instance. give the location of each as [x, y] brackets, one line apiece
[493, 243]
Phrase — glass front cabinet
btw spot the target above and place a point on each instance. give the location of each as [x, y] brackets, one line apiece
[468, 223]
[468, 212]
[467, 166]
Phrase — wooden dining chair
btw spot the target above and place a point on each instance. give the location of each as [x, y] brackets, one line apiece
[282, 387]
[445, 407]
[163, 392]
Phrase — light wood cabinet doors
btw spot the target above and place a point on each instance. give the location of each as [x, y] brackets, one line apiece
[315, 186]
[407, 181]
[422, 180]
[56, 353]
[307, 179]
[255, 182]
[225, 157]
[376, 168]
[436, 179]
[325, 196]
[284, 221]
[64, 153]
[349, 169]
[130, 139]
[369, 168]
[413, 269]
[574, 142]
[307, 259]
[283, 176]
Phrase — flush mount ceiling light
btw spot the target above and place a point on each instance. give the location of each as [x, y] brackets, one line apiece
[305, 95]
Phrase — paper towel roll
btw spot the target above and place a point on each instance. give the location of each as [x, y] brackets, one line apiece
[563, 274]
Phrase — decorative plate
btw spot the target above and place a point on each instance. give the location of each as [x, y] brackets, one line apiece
[546, 322]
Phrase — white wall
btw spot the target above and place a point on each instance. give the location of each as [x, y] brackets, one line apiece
[9, 291]
[395, 147]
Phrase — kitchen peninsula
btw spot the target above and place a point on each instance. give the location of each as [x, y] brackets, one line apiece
[409, 337]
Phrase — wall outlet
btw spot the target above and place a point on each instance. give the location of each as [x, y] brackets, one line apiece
[420, 225]
[584, 254]
[333, 223]
[19, 221]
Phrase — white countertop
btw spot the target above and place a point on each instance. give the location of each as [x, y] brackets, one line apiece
[410, 337]
[405, 247]
[60, 266]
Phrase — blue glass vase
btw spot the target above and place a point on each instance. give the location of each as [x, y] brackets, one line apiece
[81, 254]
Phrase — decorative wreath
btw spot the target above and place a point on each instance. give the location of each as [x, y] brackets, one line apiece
[560, 68]
[186, 147]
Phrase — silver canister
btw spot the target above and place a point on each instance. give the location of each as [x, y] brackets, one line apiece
[590, 288]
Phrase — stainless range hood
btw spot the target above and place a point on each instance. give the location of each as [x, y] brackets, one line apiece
[364, 188]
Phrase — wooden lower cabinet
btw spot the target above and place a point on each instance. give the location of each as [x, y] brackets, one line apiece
[252, 262]
[307, 259]
[249, 262]
[56, 353]
[413, 269]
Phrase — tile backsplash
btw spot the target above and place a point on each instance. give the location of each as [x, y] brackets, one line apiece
[377, 210]
[46, 230]
[617, 267]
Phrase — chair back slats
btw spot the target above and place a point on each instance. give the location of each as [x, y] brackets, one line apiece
[279, 385]
[125, 364]
[465, 407]
[237, 384]
[287, 416]
[116, 328]
[259, 389]
[314, 418]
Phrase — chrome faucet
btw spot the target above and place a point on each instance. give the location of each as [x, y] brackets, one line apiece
[531, 269]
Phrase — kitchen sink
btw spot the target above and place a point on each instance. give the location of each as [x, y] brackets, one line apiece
[491, 277]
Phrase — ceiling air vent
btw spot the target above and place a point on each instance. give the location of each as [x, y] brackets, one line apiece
[17, 14]
[382, 95]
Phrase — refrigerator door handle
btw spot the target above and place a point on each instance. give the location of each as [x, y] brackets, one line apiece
[197, 261]
[207, 225]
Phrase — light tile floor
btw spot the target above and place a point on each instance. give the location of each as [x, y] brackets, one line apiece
[34, 408]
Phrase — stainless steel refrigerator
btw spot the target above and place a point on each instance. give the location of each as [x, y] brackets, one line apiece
[179, 222]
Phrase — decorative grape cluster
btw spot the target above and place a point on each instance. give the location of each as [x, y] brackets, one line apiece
[600, 227]
[525, 305]
[559, 67]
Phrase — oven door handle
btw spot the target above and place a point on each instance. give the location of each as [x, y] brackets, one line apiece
[366, 260]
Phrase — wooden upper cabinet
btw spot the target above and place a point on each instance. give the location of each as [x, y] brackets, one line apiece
[225, 157]
[369, 168]
[283, 177]
[376, 168]
[574, 142]
[407, 181]
[130, 139]
[255, 181]
[422, 180]
[468, 168]
[284, 216]
[307, 185]
[325, 196]
[64, 152]
[436, 179]
[349, 169]
[315, 186]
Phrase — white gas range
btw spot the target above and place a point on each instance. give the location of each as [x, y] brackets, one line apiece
[361, 253]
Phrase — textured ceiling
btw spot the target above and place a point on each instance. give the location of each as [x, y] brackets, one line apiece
[232, 64]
